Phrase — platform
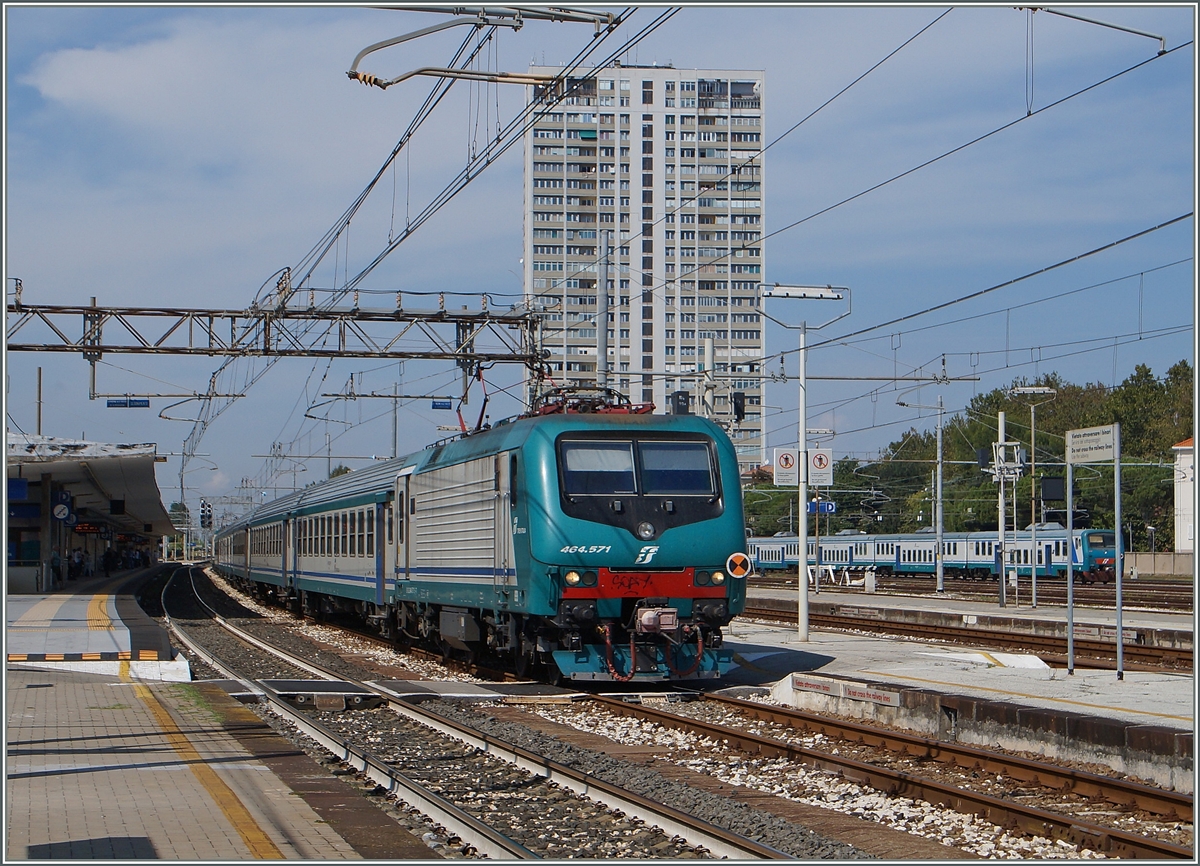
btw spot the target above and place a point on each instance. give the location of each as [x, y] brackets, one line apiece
[91, 625]
[112, 754]
[957, 693]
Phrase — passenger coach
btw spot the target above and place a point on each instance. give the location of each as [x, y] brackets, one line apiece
[964, 554]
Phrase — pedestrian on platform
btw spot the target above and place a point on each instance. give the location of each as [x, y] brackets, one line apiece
[56, 567]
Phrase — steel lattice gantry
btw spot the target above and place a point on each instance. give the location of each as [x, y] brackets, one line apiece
[480, 337]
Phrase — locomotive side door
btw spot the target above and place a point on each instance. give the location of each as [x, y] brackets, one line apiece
[401, 529]
[505, 478]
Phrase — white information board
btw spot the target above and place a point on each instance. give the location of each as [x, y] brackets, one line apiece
[1090, 444]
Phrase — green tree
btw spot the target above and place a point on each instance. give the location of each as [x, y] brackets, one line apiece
[339, 470]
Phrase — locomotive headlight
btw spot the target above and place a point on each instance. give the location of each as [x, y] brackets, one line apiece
[718, 578]
[589, 578]
[703, 578]
[645, 531]
[572, 578]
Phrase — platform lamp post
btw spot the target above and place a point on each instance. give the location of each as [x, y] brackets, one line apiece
[1049, 394]
[821, 293]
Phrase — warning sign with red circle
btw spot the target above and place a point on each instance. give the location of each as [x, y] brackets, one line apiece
[738, 565]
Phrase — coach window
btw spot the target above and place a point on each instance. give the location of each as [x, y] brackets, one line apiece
[362, 535]
[389, 516]
[351, 532]
[371, 533]
[346, 529]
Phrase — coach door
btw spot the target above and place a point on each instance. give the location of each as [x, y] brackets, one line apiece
[401, 512]
[289, 542]
[506, 497]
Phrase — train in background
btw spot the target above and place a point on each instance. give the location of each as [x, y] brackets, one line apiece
[589, 541]
[964, 554]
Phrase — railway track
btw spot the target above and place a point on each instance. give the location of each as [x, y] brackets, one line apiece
[1019, 774]
[1088, 653]
[1073, 785]
[1167, 596]
[417, 739]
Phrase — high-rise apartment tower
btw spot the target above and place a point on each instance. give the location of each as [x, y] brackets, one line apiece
[666, 165]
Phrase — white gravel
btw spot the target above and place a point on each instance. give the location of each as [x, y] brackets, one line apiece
[814, 787]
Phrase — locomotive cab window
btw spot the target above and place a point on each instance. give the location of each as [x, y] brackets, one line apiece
[676, 469]
[597, 468]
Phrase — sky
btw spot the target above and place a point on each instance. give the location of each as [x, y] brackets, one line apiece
[180, 156]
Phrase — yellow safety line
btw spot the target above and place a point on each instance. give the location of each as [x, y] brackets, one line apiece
[260, 844]
[97, 613]
[1033, 697]
[991, 658]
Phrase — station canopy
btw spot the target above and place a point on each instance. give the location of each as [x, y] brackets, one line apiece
[115, 483]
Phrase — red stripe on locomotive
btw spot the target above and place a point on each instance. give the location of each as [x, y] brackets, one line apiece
[644, 584]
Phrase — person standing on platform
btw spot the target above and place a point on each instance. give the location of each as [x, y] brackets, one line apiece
[56, 567]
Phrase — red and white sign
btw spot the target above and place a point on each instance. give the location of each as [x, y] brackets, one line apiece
[787, 467]
[820, 467]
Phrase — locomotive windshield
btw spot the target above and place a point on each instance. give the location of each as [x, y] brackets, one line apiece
[1101, 539]
[597, 468]
[676, 468]
[662, 467]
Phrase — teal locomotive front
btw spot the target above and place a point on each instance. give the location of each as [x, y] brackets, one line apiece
[646, 518]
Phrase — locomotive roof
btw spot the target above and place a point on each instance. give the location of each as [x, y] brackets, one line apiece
[376, 480]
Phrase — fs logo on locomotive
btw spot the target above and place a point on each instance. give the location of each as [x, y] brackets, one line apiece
[646, 554]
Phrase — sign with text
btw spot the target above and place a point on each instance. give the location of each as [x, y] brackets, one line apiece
[1091, 444]
[787, 467]
[820, 467]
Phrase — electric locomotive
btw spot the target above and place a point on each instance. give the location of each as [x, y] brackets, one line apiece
[593, 542]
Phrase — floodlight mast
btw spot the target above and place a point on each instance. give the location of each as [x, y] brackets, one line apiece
[824, 293]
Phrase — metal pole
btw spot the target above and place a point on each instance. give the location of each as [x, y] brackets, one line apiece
[1016, 547]
[395, 393]
[1120, 551]
[816, 541]
[941, 575]
[707, 386]
[802, 523]
[1001, 508]
[39, 403]
[602, 318]
[1070, 568]
[1033, 548]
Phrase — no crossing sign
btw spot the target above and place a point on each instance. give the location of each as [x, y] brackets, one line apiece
[820, 467]
[787, 467]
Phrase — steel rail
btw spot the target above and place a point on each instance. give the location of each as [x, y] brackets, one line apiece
[483, 837]
[1153, 657]
[721, 842]
[1004, 813]
[1171, 804]
[718, 840]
